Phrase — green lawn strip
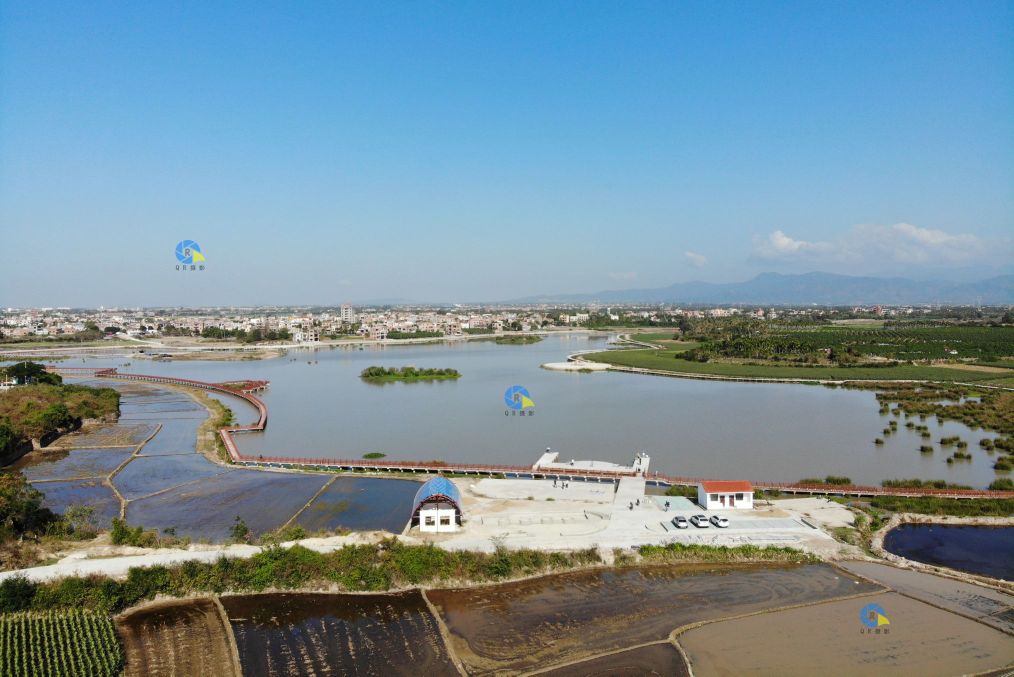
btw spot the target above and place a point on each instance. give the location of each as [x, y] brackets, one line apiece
[665, 360]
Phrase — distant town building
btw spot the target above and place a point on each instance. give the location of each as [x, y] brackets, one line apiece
[348, 316]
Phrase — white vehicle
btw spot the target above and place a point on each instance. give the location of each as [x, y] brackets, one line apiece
[700, 521]
[719, 521]
[680, 522]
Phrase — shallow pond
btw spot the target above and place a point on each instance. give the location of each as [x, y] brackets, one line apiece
[988, 551]
[320, 407]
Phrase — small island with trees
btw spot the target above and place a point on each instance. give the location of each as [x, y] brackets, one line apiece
[518, 340]
[408, 374]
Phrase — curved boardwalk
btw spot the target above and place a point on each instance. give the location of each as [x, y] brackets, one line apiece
[245, 390]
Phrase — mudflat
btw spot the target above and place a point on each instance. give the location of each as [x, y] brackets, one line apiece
[654, 659]
[542, 622]
[830, 639]
[984, 604]
[342, 634]
[187, 637]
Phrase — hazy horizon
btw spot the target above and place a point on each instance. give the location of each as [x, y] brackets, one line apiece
[488, 152]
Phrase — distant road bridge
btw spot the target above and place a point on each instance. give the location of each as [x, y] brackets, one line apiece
[245, 390]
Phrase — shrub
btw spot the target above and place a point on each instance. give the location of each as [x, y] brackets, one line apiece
[121, 534]
[1002, 484]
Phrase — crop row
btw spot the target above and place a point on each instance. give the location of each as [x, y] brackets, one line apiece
[909, 343]
[58, 643]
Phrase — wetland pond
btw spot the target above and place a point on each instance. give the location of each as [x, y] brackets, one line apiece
[760, 431]
[983, 550]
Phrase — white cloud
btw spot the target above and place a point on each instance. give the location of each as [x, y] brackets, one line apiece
[696, 260]
[874, 245]
[623, 276]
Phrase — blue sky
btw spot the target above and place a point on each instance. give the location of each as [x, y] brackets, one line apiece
[324, 152]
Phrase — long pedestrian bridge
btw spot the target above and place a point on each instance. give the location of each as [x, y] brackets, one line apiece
[246, 390]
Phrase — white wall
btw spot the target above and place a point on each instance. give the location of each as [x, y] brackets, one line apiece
[437, 520]
[714, 502]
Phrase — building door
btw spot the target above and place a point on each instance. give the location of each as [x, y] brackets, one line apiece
[721, 499]
[732, 500]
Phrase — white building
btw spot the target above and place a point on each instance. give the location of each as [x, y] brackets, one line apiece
[347, 314]
[437, 506]
[725, 494]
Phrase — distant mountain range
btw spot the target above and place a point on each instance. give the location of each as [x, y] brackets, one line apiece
[809, 288]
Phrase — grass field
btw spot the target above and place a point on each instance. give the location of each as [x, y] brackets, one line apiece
[666, 360]
[58, 643]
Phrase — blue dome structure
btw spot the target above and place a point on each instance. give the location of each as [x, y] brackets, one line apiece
[437, 493]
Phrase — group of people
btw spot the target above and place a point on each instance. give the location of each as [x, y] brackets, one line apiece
[563, 485]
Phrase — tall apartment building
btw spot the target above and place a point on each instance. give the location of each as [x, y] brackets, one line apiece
[347, 315]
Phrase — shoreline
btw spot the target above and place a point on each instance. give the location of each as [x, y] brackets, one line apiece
[625, 339]
[241, 349]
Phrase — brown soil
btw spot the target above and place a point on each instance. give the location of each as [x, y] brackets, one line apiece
[546, 621]
[317, 634]
[187, 637]
[656, 659]
[826, 639]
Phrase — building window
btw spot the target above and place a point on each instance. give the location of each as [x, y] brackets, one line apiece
[445, 521]
[430, 521]
[713, 497]
[739, 497]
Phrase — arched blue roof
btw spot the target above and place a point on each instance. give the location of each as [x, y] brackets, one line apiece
[436, 489]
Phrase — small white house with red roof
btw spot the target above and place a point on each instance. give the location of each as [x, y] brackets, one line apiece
[725, 495]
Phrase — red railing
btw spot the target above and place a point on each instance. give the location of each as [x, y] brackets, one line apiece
[483, 468]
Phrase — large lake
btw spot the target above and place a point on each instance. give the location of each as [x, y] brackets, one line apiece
[319, 407]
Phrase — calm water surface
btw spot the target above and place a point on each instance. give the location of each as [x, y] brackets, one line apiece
[988, 551]
[320, 407]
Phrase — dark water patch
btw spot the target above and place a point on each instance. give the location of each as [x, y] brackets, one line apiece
[207, 508]
[54, 465]
[62, 495]
[988, 551]
[360, 504]
[175, 437]
[285, 634]
[657, 659]
[545, 621]
[148, 474]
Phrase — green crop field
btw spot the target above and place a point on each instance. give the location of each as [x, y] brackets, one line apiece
[58, 643]
[901, 343]
[666, 360]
